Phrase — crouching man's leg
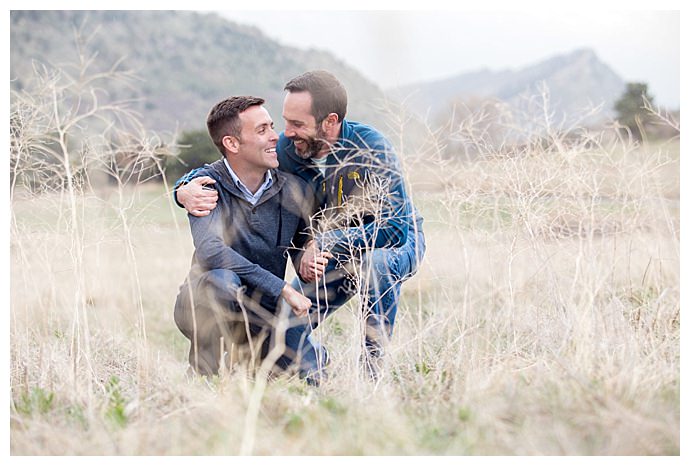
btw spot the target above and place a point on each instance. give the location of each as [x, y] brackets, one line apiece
[301, 352]
[207, 313]
[328, 295]
[383, 272]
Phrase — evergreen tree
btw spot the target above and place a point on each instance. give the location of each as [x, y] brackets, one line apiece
[630, 108]
[196, 149]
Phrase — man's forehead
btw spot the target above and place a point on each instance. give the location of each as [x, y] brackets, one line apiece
[297, 106]
[255, 116]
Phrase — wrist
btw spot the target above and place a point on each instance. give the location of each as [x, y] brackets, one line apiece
[287, 290]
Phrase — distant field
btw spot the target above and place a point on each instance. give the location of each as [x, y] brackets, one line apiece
[545, 320]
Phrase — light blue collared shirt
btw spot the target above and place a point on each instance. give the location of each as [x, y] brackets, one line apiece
[251, 198]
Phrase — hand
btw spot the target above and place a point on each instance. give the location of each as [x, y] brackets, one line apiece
[299, 303]
[198, 200]
[313, 263]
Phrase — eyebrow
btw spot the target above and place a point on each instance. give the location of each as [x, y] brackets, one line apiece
[268, 123]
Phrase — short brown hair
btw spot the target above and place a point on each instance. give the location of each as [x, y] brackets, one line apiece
[328, 95]
[224, 118]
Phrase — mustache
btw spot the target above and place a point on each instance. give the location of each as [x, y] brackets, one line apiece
[313, 145]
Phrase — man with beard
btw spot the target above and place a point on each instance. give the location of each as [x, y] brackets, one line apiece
[368, 236]
[232, 293]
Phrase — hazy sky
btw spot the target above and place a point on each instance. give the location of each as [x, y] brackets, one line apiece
[400, 47]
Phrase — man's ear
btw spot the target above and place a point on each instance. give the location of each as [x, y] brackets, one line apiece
[330, 121]
[231, 144]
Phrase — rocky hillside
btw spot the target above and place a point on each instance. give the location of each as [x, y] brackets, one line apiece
[186, 61]
[575, 81]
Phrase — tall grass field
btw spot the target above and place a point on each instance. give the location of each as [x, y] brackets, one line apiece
[544, 320]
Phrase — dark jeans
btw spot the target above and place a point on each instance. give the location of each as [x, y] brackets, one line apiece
[213, 311]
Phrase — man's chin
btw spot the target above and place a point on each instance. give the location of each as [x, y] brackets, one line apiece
[303, 153]
[305, 150]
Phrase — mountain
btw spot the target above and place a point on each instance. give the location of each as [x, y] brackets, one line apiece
[576, 81]
[186, 61]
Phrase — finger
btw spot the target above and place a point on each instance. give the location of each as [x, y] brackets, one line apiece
[327, 255]
[200, 213]
[206, 206]
[209, 193]
[320, 262]
[203, 180]
[206, 200]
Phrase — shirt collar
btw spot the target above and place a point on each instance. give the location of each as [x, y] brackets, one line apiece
[268, 180]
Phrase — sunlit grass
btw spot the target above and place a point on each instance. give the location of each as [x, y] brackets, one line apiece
[506, 329]
[545, 318]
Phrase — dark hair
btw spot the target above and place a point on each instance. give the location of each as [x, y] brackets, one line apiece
[224, 118]
[328, 95]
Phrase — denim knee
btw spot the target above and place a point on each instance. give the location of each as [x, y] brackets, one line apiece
[416, 248]
[381, 266]
[224, 283]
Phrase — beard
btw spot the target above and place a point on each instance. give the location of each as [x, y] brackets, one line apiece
[314, 145]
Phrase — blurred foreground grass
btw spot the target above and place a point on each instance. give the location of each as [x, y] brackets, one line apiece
[544, 320]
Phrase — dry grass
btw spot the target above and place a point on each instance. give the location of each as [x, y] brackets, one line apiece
[545, 320]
